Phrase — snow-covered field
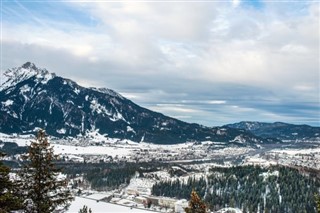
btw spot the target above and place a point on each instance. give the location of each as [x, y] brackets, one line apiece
[91, 150]
[21, 140]
[99, 148]
[101, 207]
[298, 151]
[227, 210]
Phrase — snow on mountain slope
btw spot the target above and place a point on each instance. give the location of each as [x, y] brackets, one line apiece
[32, 98]
[280, 130]
[16, 75]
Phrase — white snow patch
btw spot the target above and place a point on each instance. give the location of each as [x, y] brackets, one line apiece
[265, 175]
[76, 90]
[71, 102]
[141, 185]
[75, 158]
[22, 140]
[100, 207]
[46, 77]
[61, 131]
[130, 129]
[256, 160]
[231, 210]
[117, 116]
[239, 139]
[7, 102]
[96, 107]
[90, 150]
[297, 151]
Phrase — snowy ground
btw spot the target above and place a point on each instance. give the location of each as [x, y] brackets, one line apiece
[99, 148]
[141, 185]
[297, 151]
[101, 207]
[91, 150]
[227, 210]
[21, 140]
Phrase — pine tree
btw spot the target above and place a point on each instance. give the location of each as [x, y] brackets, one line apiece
[317, 200]
[44, 191]
[196, 205]
[85, 209]
[9, 199]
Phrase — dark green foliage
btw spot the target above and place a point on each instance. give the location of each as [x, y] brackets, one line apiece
[110, 178]
[85, 209]
[44, 192]
[9, 199]
[105, 176]
[317, 199]
[246, 188]
[179, 189]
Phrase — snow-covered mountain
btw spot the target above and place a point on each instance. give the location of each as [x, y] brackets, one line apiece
[32, 98]
[280, 130]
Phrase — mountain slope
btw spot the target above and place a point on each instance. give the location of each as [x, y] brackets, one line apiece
[279, 130]
[33, 98]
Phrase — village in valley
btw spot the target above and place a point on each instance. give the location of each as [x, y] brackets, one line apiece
[175, 162]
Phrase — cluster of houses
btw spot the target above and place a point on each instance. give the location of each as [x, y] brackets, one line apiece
[285, 157]
[133, 199]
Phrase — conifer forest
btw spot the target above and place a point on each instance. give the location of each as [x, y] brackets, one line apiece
[252, 189]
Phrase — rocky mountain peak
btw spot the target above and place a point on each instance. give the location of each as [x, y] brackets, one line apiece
[28, 70]
[29, 65]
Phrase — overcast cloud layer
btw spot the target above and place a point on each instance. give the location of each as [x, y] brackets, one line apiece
[209, 62]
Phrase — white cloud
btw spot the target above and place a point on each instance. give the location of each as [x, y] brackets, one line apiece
[295, 49]
[173, 108]
[217, 102]
[236, 3]
[170, 52]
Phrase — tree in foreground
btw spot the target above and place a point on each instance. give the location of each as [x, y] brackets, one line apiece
[9, 199]
[317, 200]
[85, 209]
[196, 205]
[44, 190]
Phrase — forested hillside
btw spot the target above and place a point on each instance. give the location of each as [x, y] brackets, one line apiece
[107, 176]
[252, 189]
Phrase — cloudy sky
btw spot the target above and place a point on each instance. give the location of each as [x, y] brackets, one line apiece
[209, 62]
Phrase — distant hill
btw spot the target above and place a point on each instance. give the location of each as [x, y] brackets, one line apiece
[33, 98]
[280, 130]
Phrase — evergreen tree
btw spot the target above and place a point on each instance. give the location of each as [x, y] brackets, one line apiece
[44, 191]
[9, 200]
[85, 209]
[196, 205]
[317, 199]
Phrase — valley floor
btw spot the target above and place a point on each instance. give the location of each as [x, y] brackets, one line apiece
[197, 157]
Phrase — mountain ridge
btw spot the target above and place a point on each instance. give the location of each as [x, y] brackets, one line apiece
[280, 130]
[33, 98]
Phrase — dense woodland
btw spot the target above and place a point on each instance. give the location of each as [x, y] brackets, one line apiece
[106, 176]
[252, 189]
